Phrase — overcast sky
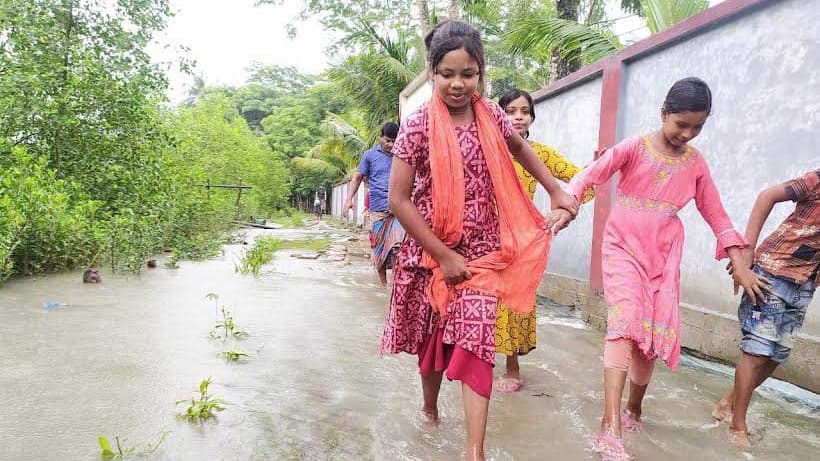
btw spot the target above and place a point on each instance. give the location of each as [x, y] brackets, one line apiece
[225, 36]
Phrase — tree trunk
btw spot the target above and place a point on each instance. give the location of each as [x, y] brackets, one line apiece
[424, 17]
[567, 9]
[58, 135]
[452, 10]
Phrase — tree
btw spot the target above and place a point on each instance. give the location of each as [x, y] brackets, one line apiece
[591, 42]
[215, 144]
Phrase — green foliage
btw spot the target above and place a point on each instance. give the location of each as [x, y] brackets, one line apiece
[215, 144]
[88, 158]
[41, 227]
[593, 41]
[204, 407]
[259, 254]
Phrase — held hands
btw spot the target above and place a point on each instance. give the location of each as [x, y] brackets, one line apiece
[454, 268]
[558, 219]
[564, 209]
[753, 284]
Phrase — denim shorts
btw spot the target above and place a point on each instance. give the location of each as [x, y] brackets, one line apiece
[769, 328]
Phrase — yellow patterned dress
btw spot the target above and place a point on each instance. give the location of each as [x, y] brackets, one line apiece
[514, 332]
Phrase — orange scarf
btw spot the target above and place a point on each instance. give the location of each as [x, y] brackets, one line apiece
[513, 272]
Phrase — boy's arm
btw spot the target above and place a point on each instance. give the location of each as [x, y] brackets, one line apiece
[740, 268]
[760, 212]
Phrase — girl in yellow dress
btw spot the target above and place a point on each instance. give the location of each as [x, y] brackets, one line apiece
[514, 332]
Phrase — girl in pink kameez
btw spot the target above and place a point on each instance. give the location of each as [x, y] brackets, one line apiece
[642, 247]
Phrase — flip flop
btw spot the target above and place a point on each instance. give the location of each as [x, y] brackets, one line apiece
[629, 422]
[509, 384]
[610, 447]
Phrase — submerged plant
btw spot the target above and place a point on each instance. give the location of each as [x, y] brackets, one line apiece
[120, 451]
[233, 355]
[204, 407]
[227, 326]
[260, 253]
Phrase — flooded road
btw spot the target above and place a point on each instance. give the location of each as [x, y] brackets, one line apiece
[114, 360]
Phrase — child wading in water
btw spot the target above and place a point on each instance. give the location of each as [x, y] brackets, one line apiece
[474, 237]
[643, 242]
[789, 260]
[515, 333]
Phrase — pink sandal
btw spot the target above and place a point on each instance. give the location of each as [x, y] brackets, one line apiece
[610, 447]
[629, 422]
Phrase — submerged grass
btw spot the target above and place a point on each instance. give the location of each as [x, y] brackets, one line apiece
[262, 250]
[259, 254]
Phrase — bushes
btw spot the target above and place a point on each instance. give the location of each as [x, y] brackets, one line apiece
[46, 224]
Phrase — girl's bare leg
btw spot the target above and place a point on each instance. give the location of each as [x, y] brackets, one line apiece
[430, 386]
[614, 382]
[475, 418]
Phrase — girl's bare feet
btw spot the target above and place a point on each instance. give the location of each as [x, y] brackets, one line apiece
[740, 439]
[722, 409]
[430, 415]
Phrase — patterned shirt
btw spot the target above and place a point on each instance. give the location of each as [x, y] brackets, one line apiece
[792, 251]
[561, 168]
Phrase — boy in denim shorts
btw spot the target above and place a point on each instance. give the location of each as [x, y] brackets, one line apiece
[788, 262]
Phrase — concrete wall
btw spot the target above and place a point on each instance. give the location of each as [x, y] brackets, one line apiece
[414, 95]
[579, 109]
[764, 130]
[338, 197]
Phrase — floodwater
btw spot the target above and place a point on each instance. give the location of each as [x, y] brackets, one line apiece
[114, 360]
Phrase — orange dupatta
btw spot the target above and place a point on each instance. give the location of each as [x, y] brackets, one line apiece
[513, 272]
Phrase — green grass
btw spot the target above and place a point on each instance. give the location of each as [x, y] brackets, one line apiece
[292, 219]
[319, 244]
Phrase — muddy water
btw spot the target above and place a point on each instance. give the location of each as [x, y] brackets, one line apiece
[114, 360]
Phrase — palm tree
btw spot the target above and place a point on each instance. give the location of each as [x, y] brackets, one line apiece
[375, 77]
[341, 145]
[590, 42]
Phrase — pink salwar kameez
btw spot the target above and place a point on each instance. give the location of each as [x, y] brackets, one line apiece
[643, 239]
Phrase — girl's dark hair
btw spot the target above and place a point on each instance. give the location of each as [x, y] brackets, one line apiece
[448, 36]
[690, 94]
[511, 95]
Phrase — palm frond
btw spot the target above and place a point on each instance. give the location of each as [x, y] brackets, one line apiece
[662, 14]
[570, 38]
[374, 81]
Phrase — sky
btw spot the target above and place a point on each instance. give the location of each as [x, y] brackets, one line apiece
[225, 36]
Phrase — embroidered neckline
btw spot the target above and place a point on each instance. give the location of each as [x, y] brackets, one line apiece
[665, 158]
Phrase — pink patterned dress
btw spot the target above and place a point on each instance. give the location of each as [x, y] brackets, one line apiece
[412, 324]
[643, 239]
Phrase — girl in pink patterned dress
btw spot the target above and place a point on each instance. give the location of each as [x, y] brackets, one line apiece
[643, 242]
[460, 341]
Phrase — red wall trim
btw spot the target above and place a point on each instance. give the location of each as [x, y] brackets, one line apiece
[607, 137]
